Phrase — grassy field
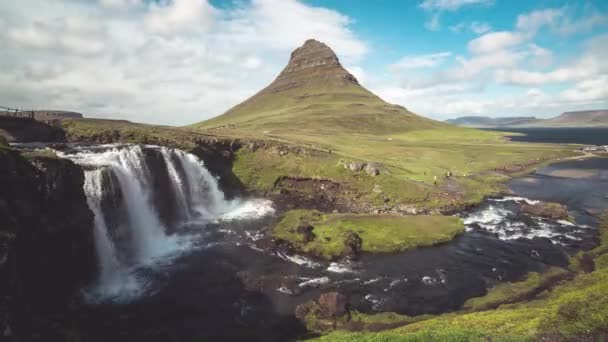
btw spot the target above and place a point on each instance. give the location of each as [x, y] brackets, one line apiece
[413, 163]
[577, 308]
[379, 233]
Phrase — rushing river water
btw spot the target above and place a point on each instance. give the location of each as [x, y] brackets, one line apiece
[200, 274]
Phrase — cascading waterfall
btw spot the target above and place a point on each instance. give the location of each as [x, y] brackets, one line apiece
[195, 191]
[106, 253]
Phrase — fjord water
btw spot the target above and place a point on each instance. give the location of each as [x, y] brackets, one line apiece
[197, 271]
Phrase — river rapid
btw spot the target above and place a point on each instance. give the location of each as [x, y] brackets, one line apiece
[198, 271]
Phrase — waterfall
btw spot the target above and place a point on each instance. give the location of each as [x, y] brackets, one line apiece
[106, 253]
[126, 188]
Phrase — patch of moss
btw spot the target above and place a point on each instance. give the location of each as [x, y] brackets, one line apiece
[379, 233]
[42, 153]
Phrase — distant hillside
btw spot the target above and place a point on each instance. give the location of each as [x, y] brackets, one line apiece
[579, 118]
[315, 93]
[485, 121]
[567, 119]
[56, 114]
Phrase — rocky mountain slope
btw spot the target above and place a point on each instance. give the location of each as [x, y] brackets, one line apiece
[579, 118]
[315, 92]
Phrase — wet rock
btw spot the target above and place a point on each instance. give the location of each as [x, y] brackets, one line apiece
[586, 263]
[46, 242]
[550, 210]
[332, 305]
[307, 232]
[372, 169]
[355, 166]
[352, 245]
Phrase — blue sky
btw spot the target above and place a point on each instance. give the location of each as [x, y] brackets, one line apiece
[182, 61]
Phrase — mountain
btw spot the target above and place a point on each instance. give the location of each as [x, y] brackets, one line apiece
[486, 121]
[315, 93]
[579, 118]
[568, 119]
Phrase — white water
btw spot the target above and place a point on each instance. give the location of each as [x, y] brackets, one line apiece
[197, 196]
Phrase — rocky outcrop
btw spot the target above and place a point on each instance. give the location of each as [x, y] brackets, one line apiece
[352, 245]
[47, 252]
[550, 210]
[327, 313]
[372, 169]
[16, 129]
[313, 61]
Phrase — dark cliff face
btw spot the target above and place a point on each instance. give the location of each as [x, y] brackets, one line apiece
[28, 130]
[47, 251]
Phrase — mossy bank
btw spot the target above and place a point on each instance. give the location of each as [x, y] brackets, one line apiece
[333, 235]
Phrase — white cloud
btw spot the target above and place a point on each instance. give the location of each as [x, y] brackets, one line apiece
[119, 4]
[476, 27]
[533, 21]
[480, 27]
[176, 62]
[420, 61]
[179, 16]
[494, 41]
[451, 5]
[436, 7]
[561, 20]
[433, 23]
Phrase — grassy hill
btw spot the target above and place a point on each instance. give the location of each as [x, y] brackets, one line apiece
[315, 93]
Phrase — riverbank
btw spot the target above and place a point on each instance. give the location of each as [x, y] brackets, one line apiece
[555, 306]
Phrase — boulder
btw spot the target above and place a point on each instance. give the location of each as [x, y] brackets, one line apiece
[307, 232]
[372, 169]
[550, 210]
[332, 305]
[352, 245]
[355, 166]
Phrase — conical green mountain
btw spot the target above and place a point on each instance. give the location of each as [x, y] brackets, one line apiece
[315, 93]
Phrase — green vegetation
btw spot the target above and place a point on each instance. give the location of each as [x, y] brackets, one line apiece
[109, 131]
[43, 153]
[505, 293]
[379, 233]
[572, 309]
[413, 166]
[3, 142]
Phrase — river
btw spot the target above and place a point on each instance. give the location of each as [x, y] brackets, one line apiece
[200, 273]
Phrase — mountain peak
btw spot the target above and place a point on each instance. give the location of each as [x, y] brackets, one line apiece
[312, 62]
[315, 93]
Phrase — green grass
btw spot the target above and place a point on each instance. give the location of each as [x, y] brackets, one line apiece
[108, 131]
[505, 293]
[572, 309]
[44, 153]
[410, 164]
[379, 233]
